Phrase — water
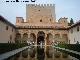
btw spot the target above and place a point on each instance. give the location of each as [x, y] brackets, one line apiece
[40, 53]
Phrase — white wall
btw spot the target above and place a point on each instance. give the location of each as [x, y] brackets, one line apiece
[5, 34]
[75, 36]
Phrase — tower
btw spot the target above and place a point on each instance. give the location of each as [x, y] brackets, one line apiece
[44, 13]
[19, 20]
[63, 21]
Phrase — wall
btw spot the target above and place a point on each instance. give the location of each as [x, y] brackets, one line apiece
[35, 13]
[74, 36]
[46, 31]
[5, 34]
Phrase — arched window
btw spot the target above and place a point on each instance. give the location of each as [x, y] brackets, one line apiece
[10, 37]
[33, 37]
[18, 38]
[72, 30]
[7, 27]
[49, 39]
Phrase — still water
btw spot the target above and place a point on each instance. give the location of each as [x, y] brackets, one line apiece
[40, 53]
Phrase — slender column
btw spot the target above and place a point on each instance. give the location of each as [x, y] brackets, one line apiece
[61, 38]
[36, 46]
[45, 39]
[45, 45]
[21, 35]
[53, 38]
[28, 36]
[21, 38]
[36, 40]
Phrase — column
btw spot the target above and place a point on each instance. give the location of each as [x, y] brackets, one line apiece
[28, 36]
[53, 38]
[61, 39]
[45, 45]
[21, 38]
[36, 40]
[45, 38]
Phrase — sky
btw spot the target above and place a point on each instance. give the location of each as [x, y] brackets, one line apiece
[63, 8]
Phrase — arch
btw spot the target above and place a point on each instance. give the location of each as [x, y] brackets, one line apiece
[18, 38]
[41, 33]
[65, 38]
[57, 38]
[25, 37]
[49, 39]
[33, 37]
[40, 37]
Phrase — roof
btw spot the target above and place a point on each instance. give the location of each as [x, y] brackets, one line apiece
[74, 25]
[41, 27]
[6, 21]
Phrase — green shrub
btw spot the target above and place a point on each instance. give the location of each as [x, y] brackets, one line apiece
[6, 47]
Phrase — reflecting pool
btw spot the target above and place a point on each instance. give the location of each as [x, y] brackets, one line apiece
[40, 53]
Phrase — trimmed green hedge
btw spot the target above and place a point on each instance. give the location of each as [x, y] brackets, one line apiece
[6, 47]
[74, 47]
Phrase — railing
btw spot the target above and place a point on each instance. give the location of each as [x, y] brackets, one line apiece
[71, 49]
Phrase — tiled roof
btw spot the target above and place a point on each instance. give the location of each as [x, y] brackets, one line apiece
[74, 25]
[6, 21]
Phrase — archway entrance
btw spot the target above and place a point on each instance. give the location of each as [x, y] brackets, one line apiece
[49, 39]
[33, 38]
[40, 38]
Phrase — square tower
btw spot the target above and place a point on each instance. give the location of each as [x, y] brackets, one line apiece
[40, 13]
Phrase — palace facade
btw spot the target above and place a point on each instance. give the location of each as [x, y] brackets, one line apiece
[40, 26]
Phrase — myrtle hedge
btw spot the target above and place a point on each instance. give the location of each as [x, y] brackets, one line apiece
[6, 47]
[74, 47]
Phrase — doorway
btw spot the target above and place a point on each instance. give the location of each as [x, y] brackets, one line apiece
[40, 38]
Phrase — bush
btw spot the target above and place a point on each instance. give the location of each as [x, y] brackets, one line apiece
[74, 47]
[6, 47]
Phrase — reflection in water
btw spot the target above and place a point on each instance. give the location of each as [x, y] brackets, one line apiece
[49, 53]
[25, 53]
[40, 53]
[32, 52]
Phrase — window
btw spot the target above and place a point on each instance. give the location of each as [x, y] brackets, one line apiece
[10, 37]
[12, 29]
[71, 30]
[6, 27]
[17, 21]
[50, 19]
[38, 10]
[0, 28]
[64, 20]
[41, 20]
[74, 40]
[77, 28]
[69, 41]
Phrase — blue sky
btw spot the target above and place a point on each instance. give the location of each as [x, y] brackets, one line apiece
[63, 8]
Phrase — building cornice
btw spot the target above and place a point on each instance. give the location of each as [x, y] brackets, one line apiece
[6, 21]
[37, 27]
